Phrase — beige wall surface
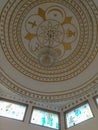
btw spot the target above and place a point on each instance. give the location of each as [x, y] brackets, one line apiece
[6, 124]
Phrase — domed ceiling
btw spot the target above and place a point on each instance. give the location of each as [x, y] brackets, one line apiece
[49, 48]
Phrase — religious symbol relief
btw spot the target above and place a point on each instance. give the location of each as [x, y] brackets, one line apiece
[50, 28]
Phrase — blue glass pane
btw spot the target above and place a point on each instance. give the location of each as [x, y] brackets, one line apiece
[78, 115]
[11, 110]
[43, 118]
[77, 112]
[97, 100]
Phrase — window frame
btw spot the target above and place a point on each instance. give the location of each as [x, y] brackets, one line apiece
[17, 103]
[74, 108]
[95, 100]
[46, 110]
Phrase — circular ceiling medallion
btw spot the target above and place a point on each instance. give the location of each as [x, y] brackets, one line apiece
[49, 40]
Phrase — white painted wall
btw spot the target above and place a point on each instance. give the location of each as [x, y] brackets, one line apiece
[9, 124]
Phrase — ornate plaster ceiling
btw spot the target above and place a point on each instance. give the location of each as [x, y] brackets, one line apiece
[49, 48]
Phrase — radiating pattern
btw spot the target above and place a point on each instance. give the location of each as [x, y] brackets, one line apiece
[43, 118]
[12, 110]
[78, 115]
[68, 28]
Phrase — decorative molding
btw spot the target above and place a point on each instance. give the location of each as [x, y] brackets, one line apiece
[81, 99]
[49, 98]
[29, 101]
[46, 105]
[15, 32]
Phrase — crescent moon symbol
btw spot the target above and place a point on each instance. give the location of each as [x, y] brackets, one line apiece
[53, 8]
